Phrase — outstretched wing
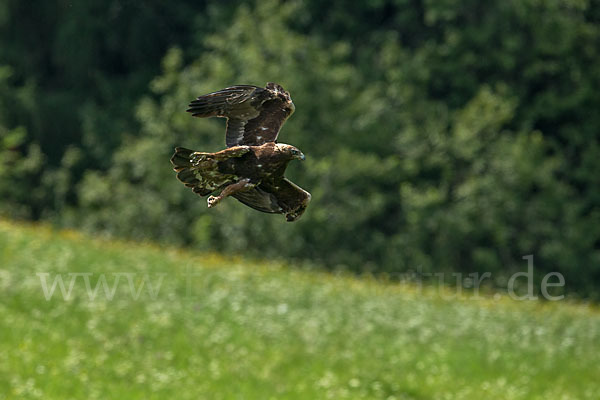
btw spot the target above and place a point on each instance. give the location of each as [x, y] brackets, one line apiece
[283, 197]
[254, 115]
[260, 200]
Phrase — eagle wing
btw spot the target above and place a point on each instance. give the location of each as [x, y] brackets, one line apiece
[283, 197]
[254, 114]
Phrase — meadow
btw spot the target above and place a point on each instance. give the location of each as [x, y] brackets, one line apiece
[173, 323]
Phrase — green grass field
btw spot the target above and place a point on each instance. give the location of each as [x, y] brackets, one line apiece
[186, 325]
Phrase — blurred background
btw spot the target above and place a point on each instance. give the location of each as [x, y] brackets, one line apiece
[443, 136]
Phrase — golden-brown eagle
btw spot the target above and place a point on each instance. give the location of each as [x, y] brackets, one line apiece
[251, 168]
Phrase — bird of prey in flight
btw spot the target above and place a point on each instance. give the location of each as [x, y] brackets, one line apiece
[252, 166]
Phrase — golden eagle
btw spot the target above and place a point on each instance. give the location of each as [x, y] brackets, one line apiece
[251, 168]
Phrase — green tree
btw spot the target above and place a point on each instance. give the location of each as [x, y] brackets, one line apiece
[443, 135]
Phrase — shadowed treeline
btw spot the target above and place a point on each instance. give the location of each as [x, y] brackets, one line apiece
[440, 135]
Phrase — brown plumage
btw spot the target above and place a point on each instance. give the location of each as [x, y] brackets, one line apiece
[251, 168]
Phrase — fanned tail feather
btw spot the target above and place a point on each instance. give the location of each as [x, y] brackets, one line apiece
[182, 164]
[182, 158]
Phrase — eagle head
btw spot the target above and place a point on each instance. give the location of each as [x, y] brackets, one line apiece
[292, 152]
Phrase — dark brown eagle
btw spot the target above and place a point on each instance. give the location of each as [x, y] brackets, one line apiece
[251, 168]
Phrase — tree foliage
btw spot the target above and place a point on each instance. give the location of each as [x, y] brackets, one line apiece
[440, 135]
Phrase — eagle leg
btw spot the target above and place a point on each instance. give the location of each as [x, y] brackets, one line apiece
[240, 186]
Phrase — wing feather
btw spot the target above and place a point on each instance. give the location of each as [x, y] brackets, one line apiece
[282, 197]
[235, 131]
[260, 200]
[255, 115]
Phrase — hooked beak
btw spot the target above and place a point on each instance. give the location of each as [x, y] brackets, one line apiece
[301, 157]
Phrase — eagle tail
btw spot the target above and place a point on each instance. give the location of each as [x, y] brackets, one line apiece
[181, 158]
[182, 164]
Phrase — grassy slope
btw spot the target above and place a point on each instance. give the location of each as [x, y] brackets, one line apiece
[237, 330]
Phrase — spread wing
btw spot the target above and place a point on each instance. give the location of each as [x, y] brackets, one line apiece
[283, 197]
[260, 200]
[254, 115]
